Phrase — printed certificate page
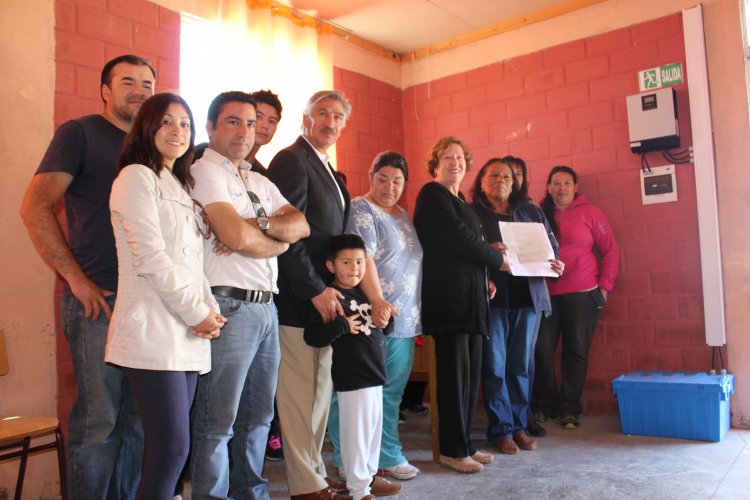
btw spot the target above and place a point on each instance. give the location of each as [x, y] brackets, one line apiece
[529, 249]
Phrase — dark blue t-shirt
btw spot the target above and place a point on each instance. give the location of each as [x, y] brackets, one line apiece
[87, 148]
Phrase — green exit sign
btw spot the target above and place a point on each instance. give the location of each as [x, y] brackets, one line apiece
[663, 76]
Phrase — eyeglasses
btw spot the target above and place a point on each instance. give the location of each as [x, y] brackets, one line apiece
[201, 219]
[259, 210]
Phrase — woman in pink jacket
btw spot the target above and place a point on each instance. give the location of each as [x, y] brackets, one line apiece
[589, 250]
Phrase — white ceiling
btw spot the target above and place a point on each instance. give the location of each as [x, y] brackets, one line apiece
[406, 25]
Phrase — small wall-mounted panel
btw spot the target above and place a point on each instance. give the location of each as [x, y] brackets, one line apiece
[652, 120]
[658, 185]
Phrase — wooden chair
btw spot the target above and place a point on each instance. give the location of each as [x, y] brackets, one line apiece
[424, 371]
[16, 434]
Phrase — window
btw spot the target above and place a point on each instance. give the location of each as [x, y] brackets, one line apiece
[253, 49]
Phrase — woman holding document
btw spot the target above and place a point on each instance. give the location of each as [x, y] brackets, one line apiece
[515, 311]
[589, 249]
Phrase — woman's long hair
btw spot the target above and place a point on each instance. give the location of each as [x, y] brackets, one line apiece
[548, 204]
[513, 161]
[515, 198]
[139, 146]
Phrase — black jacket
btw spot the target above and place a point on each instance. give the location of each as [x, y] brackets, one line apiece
[303, 180]
[454, 279]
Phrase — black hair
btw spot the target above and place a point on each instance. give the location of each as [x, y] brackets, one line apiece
[199, 150]
[106, 77]
[390, 159]
[140, 147]
[516, 195]
[268, 97]
[515, 160]
[548, 204]
[344, 242]
[217, 105]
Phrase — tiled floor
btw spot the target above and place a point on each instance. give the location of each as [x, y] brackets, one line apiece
[594, 462]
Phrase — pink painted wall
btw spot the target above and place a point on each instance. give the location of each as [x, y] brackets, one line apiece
[376, 125]
[561, 105]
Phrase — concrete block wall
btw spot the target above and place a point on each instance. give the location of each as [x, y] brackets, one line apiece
[566, 105]
[376, 125]
[88, 33]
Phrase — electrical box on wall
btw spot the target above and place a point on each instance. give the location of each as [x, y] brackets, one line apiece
[652, 120]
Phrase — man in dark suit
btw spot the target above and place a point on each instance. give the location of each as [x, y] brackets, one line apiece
[305, 178]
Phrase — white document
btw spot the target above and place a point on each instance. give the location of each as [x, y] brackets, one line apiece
[529, 249]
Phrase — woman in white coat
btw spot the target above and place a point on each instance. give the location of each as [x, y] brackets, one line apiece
[165, 315]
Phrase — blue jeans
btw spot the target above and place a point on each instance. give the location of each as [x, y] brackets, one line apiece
[105, 437]
[398, 363]
[235, 399]
[506, 363]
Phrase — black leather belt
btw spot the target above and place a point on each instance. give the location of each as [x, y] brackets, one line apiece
[262, 296]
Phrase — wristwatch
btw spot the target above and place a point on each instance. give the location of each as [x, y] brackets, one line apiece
[264, 224]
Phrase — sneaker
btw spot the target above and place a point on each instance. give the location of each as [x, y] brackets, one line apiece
[401, 417]
[535, 428]
[418, 409]
[570, 422]
[274, 449]
[402, 472]
[539, 416]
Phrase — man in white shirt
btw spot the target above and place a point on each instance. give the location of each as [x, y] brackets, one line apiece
[248, 214]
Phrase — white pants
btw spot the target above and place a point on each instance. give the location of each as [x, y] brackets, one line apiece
[360, 428]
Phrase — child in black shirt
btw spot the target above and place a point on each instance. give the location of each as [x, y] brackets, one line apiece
[358, 366]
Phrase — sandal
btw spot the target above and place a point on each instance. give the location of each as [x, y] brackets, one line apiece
[464, 465]
[482, 458]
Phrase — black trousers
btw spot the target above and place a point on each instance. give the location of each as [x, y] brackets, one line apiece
[164, 399]
[458, 358]
[574, 317]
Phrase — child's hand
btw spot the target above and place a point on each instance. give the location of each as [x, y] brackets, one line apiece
[355, 323]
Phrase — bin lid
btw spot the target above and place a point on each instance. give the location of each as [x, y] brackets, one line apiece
[688, 381]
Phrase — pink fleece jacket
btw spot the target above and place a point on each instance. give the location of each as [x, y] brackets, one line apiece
[584, 228]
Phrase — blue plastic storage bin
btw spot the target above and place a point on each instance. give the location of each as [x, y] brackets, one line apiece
[688, 405]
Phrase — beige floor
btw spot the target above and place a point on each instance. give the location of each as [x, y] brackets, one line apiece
[593, 462]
